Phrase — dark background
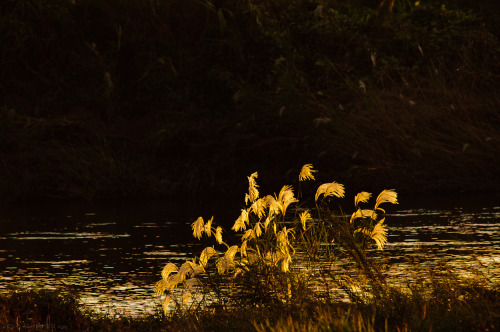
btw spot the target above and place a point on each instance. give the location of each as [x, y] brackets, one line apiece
[112, 99]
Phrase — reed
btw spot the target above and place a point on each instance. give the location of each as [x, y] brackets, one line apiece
[260, 268]
[290, 271]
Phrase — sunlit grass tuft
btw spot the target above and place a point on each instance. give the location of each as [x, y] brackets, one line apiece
[306, 173]
[270, 239]
[330, 189]
[314, 270]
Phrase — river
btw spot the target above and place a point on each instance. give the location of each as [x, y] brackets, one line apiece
[112, 253]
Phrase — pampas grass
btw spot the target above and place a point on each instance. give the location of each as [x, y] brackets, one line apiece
[270, 238]
[306, 173]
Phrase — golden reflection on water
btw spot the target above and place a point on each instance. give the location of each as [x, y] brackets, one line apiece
[114, 264]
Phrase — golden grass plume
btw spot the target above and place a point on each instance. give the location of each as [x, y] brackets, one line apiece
[330, 189]
[304, 217]
[362, 197]
[307, 172]
[386, 196]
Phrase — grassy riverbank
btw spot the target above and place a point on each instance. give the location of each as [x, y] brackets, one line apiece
[135, 98]
[302, 274]
[446, 305]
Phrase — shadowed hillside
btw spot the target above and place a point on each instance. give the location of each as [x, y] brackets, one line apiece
[130, 98]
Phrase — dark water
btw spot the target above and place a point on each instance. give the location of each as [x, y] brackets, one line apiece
[112, 253]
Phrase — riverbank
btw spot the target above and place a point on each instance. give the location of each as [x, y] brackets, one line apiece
[440, 306]
[111, 99]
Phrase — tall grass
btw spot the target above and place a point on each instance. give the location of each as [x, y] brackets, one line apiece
[43, 309]
[265, 267]
[442, 305]
[295, 269]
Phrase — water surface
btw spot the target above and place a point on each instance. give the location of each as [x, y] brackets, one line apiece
[112, 252]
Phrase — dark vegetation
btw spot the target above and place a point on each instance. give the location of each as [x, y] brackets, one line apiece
[440, 304]
[102, 99]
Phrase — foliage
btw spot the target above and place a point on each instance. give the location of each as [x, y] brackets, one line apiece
[134, 98]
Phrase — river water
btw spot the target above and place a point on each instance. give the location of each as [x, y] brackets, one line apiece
[112, 253]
